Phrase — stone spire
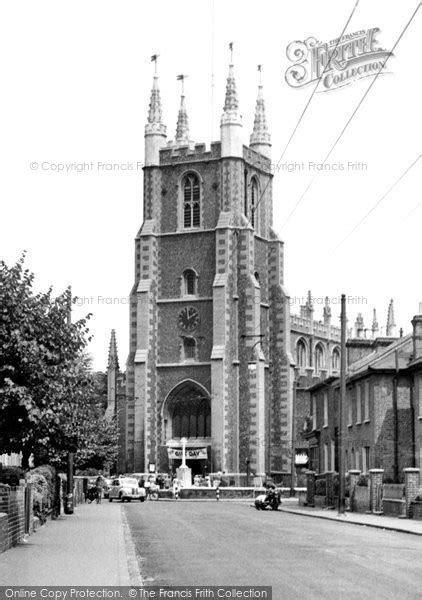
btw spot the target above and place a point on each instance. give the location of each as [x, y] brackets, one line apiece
[260, 139]
[112, 374]
[389, 332]
[182, 128]
[375, 326]
[231, 120]
[155, 113]
[231, 102]
[155, 130]
[113, 360]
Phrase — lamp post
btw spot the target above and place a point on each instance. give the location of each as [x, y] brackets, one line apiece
[247, 472]
[342, 402]
[293, 459]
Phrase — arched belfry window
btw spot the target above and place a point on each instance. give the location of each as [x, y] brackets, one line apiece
[254, 202]
[189, 348]
[191, 201]
[189, 283]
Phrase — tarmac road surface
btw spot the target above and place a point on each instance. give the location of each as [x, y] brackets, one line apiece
[231, 543]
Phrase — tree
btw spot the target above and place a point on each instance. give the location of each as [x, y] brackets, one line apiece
[48, 399]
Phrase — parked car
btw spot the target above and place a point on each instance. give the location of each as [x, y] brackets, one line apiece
[126, 488]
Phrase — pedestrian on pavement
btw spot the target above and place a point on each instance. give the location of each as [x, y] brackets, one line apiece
[147, 488]
[99, 488]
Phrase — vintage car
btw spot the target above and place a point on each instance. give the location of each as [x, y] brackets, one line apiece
[125, 488]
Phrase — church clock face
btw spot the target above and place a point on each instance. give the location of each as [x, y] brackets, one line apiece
[188, 318]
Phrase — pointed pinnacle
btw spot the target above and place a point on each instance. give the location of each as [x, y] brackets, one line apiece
[231, 102]
[260, 133]
[113, 360]
[182, 128]
[390, 319]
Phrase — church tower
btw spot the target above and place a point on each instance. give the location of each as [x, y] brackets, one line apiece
[209, 317]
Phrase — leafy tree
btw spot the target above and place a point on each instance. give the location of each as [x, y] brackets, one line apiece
[49, 403]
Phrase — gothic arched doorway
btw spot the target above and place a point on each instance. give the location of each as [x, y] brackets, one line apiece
[187, 414]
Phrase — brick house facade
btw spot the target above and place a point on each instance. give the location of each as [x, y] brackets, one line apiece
[382, 414]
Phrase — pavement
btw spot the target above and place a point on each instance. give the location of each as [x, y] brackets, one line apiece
[91, 547]
[368, 520]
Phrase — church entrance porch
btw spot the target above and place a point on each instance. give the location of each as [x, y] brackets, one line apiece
[187, 414]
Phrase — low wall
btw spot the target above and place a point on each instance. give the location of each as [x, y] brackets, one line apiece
[416, 510]
[12, 511]
[226, 493]
[394, 508]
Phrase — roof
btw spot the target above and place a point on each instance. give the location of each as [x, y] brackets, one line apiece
[322, 383]
[384, 359]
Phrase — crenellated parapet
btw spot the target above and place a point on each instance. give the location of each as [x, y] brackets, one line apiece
[180, 154]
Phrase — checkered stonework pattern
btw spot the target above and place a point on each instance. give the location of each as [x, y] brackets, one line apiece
[241, 360]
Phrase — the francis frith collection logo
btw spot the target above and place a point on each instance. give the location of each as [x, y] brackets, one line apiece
[338, 62]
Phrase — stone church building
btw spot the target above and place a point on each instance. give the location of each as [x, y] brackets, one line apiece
[212, 350]
[209, 352]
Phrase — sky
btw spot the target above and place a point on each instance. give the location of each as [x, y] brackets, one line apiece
[76, 79]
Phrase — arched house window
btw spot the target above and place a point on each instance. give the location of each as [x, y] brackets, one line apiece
[301, 354]
[191, 199]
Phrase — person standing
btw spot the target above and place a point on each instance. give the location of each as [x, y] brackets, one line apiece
[99, 489]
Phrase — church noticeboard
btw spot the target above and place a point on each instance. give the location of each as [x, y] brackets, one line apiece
[191, 453]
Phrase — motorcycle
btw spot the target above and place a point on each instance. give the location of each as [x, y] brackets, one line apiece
[269, 500]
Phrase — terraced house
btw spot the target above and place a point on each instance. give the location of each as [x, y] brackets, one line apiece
[382, 418]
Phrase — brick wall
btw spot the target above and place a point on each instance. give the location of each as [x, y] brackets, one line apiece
[12, 516]
[4, 528]
[416, 510]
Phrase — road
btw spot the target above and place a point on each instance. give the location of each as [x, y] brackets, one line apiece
[230, 543]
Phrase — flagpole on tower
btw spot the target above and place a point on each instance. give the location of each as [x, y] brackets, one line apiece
[154, 59]
[182, 79]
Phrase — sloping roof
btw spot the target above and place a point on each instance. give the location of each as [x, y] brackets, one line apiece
[385, 358]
